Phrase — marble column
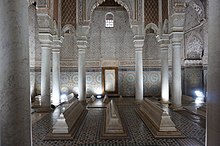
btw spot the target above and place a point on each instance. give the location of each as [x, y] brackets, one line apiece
[138, 44]
[82, 45]
[46, 44]
[164, 44]
[176, 39]
[15, 115]
[213, 84]
[56, 71]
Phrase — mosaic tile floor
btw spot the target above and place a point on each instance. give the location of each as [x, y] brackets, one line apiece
[139, 135]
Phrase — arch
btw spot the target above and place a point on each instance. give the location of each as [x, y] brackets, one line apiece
[153, 27]
[120, 2]
[68, 29]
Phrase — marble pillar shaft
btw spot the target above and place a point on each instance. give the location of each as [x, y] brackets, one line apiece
[139, 74]
[56, 76]
[15, 116]
[164, 74]
[213, 82]
[82, 75]
[176, 76]
[45, 75]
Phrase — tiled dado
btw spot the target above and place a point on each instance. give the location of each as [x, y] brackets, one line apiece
[126, 81]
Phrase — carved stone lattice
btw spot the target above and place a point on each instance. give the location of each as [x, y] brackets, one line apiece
[151, 11]
[68, 12]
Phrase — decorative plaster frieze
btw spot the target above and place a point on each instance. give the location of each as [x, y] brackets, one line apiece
[109, 63]
[152, 63]
[193, 63]
[127, 62]
[93, 63]
[68, 63]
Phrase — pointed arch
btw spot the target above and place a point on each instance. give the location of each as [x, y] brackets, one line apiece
[120, 2]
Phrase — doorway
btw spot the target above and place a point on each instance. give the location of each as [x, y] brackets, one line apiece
[110, 80]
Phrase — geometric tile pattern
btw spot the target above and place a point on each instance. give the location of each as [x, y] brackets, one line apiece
[139, 135]
[193, 80]
[151, 11]
[126, 82]
[151, 81]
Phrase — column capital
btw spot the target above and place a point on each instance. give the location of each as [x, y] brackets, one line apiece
[46, 39]
[163, 41]
[176, 36]
[138, 41]
[57, 41]
[82, 42]
[177, 19]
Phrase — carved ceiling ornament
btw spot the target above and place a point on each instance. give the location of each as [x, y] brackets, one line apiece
[194, 47]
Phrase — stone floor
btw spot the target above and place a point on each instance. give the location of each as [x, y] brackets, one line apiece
[139, 135]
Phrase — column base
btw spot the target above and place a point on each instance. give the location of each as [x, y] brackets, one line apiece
[138, 101]
[165, 102]
[176, 107]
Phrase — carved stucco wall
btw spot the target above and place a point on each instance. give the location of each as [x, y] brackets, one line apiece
[151, 48]
[196, 47]
[151, 54]
[69, 50]
[195, 38]
[110, 43]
